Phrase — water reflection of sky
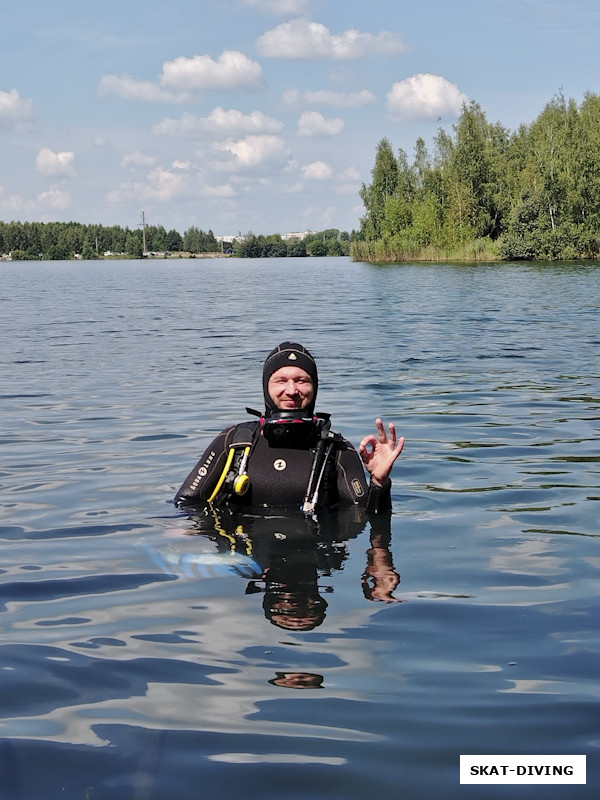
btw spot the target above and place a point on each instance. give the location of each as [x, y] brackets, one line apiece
[133, 656]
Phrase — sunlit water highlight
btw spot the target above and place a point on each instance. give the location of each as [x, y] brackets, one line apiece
[138, 661]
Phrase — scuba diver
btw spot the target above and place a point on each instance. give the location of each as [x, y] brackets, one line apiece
[290, 457]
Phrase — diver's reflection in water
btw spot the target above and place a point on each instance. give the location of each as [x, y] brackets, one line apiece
[380, 578]
[292, 600]
[287, 555]
[298, 680]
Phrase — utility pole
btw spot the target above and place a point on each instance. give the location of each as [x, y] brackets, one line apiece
[143, 224]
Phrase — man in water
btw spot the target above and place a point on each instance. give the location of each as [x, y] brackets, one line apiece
[291, 458]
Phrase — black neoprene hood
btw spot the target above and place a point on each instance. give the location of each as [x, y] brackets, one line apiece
[289, 354]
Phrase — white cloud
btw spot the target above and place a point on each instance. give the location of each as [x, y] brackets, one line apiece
[293, 97]
[14, 109]
[219, 122]
[294, 188]
[219, 192]
[161, 185]
[55, 165]
[303, 39]
[346, 182]
[137, 159]
[350, 174]
[317, 171]
[253, 151]
[280, 8]
[143, 91]
[424, 97]
[54, 198]
[312, 123]
[347, 188]
[13, 202]
[319, 218]
[232, 71]
[164, 184]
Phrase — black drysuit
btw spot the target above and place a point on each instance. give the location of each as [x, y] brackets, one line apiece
[279, 477]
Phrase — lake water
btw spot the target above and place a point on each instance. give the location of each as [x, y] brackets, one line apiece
[140, 662]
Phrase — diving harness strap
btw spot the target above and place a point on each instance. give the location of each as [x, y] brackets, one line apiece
[324, 451]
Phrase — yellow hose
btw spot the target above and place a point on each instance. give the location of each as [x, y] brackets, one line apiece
[224, 474]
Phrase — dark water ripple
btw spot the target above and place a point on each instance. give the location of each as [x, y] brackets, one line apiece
[138, 660]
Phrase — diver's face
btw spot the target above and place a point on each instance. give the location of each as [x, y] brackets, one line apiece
[291, 387]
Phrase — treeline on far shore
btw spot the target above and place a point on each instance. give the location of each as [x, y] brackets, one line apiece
[330, 242]
[29, 241]
[486, 193]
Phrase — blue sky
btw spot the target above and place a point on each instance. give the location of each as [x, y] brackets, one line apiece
[258, 115]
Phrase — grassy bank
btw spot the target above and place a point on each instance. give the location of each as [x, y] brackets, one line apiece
[396, 251]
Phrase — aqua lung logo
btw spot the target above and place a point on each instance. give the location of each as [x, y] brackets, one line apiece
[279, 464]
[203, 471]
[292, 357]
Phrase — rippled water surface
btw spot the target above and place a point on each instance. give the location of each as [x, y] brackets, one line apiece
[138, 653]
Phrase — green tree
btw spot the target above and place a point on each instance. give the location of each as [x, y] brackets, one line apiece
[421, 168]
[89, 251]
[156, 239]
[174, 242]
[191, 240]
[134, 245]
[548, 147]
[383, 186]
[57, 252]
[319, 248]
[297, 249]
[249, 247]
[427, 220]
[399, 207]
[470, 173]
[335, 248]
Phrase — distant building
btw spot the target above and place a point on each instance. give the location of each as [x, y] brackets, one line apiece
[296, 235]
[240, 237]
